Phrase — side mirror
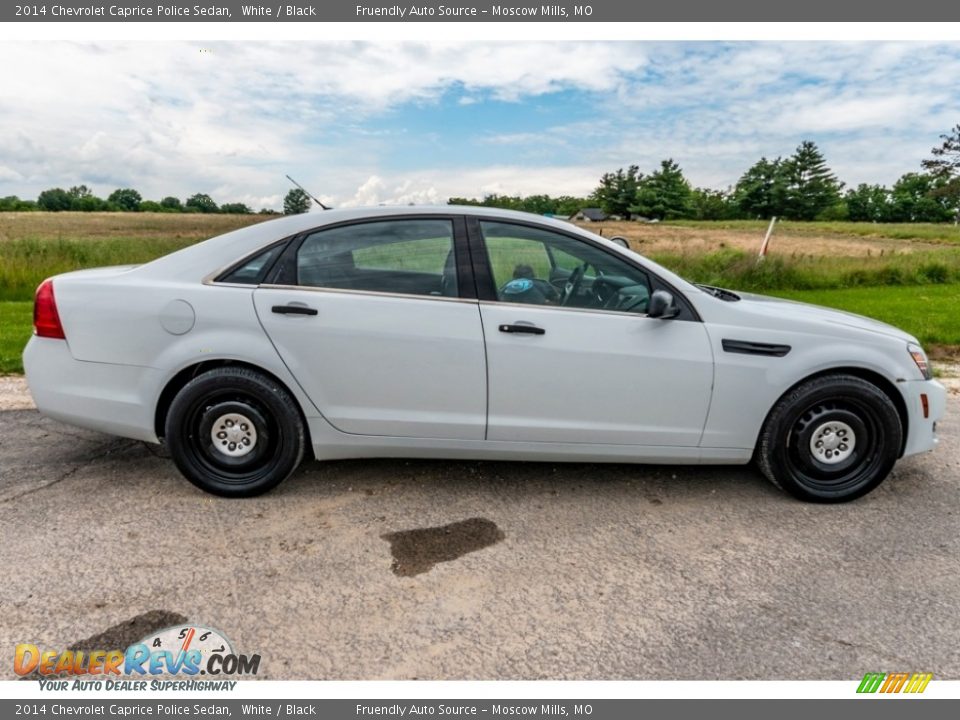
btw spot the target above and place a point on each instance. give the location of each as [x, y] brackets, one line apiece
[662, 305]
[621, 241]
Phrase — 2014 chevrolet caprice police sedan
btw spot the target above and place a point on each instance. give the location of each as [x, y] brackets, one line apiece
[456, 332]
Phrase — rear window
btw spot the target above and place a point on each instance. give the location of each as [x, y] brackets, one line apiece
[255, 269]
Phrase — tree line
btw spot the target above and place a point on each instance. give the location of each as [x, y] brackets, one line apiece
[80, 198]
[799, 187]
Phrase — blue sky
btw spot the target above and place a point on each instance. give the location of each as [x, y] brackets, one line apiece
[367, 123]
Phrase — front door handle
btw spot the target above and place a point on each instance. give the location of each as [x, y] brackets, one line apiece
[518, 328]
[294, 310]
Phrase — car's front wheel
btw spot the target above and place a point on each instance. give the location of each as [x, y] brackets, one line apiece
[235, 432]
[831, 439]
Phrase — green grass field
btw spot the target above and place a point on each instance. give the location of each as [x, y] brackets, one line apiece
[930, 312]
[36, 245]
[907, 275]
[16, 326]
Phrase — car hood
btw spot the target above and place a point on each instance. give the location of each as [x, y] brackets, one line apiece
[780, 309]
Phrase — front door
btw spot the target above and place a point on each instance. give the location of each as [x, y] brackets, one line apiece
[572, 356]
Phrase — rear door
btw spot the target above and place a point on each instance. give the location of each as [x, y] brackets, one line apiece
[379, 322]
[572, 356]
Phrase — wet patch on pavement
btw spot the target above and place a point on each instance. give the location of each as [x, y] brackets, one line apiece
[417, 551]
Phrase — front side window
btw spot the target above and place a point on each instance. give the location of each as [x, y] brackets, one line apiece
[540, 267]
[407, 257]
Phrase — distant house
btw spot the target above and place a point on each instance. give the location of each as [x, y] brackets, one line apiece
[589, 215]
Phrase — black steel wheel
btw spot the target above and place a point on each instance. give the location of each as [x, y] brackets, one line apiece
[235, 432]
[831, 439]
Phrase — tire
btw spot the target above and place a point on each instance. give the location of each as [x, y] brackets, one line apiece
[831, 439]
[235, 432]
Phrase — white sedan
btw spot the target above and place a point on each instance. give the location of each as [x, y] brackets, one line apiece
[455, 332]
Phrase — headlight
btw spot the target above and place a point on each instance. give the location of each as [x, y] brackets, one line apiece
[920, 358]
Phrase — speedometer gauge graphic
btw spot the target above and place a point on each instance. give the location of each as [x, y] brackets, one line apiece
[178, 639]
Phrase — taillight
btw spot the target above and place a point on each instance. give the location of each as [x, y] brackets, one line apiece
[46, 319]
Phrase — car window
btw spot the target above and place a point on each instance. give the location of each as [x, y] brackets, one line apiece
[253, 270]
[409, 257]
[540, 267]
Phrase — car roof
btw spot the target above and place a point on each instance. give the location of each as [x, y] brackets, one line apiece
[212, 256]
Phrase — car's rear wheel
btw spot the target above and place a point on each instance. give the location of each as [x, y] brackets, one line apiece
[235, 432]
[831, 439]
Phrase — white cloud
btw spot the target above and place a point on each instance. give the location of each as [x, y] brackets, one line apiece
[168, 119]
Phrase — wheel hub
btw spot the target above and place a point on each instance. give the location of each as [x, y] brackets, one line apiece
[233, 434]
[832, 442]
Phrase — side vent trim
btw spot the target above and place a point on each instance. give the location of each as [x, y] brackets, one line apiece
[746, 347]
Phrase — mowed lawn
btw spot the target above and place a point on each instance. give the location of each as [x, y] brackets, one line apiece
[16, 326]
[931, 313]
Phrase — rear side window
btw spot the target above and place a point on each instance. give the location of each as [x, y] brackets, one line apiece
[254, 270]
[406, 257]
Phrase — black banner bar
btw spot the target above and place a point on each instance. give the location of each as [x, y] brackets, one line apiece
[212, 707]
[472, 11]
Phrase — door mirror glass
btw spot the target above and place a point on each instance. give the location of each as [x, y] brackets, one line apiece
[662, 305]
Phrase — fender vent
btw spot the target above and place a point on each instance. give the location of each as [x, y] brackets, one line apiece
[746, 347]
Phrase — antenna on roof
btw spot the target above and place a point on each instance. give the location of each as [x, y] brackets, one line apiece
[308, 193]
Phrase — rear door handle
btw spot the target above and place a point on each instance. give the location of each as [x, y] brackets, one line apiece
[517, 328]
[294, 310]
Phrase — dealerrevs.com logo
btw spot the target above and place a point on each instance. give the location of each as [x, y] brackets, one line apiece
[189, 651]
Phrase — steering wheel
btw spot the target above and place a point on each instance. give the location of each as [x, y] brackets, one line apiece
[573, 283]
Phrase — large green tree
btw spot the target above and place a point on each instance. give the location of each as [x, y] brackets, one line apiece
[945, 167]
[617, 191]
[811, 187]
[761, 190]
[914, 198]
[296, 202]
[665, 194]
[201, 203]
[82, 199]
[868, 203]
[709, 204]
[54, 200]
[126, 199]
[171, 204]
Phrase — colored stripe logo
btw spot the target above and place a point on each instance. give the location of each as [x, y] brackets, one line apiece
[900, 682]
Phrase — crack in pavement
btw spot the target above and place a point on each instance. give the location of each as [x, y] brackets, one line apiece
[111, 447]
[69, 473]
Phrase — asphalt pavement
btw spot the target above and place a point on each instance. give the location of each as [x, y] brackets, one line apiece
[395, 569]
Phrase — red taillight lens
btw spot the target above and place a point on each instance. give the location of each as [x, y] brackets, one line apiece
[46, 319]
